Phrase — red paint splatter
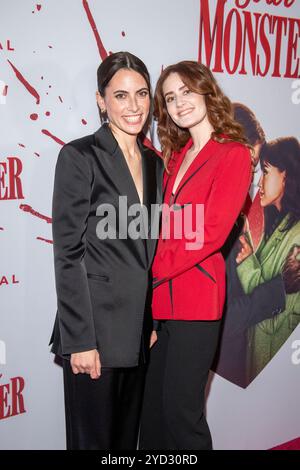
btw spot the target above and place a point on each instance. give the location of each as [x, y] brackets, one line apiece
[47, 113]
[46, 132]
[24, 82]
[37, 154]
[27, 208]
[45, 240]
[34, 116]
[22, 145]
[38, 6]
[102, 50]
[123, 33]
[84, 122]
[60, 99]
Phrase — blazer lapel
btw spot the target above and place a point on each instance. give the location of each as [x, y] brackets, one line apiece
[192, 170]
[160, 171]
[114, 164]
[169, 182]
[152, 181]
[116, 170]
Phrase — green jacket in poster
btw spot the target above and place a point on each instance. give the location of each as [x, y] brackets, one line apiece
[266, 338]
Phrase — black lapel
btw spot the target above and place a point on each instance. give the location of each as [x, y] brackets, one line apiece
[114, 164]
[149, 176]
[152, 179]
[159, 180]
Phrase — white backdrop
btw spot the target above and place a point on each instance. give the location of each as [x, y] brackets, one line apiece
[48, 61]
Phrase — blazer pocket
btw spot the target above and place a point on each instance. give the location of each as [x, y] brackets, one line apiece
[98, 277]
[206, 273]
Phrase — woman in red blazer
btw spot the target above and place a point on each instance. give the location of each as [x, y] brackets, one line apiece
[208, 174]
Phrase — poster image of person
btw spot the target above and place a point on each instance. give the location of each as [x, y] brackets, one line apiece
[266, 300]
[279, 189]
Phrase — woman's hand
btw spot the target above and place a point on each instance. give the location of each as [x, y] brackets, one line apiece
[153, 338]
[246, 249]
[86, 362]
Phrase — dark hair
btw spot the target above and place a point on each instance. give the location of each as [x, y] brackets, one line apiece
[284, 154]
[199, 79]
[115, 62]
[247, 119]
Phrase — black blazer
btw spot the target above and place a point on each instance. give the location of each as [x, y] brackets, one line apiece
[102, 285]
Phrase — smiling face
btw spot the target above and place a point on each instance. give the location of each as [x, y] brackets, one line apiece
[271, 186]
[126, 101]
[186, 108]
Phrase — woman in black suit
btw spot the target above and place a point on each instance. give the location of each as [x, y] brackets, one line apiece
[102, 258]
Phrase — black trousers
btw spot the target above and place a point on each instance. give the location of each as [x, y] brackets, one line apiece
[173, 408]
[104, 413]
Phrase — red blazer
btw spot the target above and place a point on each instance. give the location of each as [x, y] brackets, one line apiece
[190, 284]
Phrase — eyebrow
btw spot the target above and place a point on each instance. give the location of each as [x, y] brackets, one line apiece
[125, 91]
[170, 92]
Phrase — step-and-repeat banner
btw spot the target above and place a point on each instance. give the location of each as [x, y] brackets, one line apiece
[49, 54]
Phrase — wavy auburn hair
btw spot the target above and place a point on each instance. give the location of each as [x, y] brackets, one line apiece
[199, 79]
